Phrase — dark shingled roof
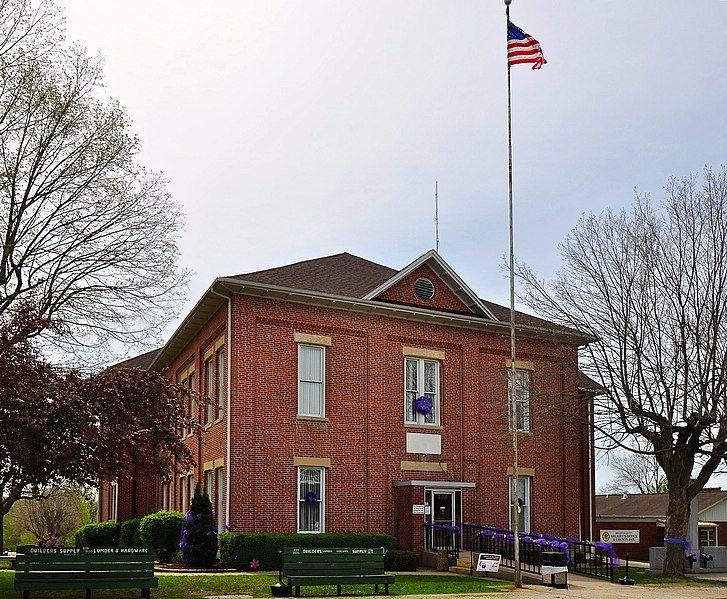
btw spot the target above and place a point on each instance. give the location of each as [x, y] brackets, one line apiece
[351, 276]
[341, 274]
[140, 362]
[654, 504]
[586, 383]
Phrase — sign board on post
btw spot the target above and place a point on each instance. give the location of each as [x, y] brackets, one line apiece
[488, 562]
[619, 536]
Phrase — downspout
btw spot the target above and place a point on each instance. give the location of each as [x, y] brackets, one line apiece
[229, 404]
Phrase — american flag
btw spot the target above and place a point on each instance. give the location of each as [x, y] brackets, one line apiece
[523, 48]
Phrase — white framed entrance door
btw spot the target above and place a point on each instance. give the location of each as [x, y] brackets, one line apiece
[444, 507]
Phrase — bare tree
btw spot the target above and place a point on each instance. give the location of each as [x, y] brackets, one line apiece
[651, 285]
[87, 233]
[635, 473]
[54, 515]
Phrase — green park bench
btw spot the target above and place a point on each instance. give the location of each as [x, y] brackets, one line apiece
[306, 566]
[55, 568]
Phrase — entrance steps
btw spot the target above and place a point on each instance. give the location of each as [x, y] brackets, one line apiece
[462, 567]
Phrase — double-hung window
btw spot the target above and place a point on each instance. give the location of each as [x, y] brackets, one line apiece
[209, 485]
[421, 393]
[221, 388]
[165, 496]
[520, 508]
[311, 380]
[209, 375]
[219, 495]
[521, 417]
[311, 499]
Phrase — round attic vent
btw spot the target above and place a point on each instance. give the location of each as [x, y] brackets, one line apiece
[424, 289]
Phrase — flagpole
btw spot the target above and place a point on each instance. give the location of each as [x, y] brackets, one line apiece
[514, 491]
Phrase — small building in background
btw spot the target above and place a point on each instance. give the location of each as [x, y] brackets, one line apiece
[635, 522]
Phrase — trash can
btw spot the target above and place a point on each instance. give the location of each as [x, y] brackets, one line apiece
[554, 569]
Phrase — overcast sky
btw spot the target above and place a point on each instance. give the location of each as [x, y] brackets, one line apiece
[291, 130]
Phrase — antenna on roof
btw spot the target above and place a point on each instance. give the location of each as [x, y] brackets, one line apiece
[436, 216]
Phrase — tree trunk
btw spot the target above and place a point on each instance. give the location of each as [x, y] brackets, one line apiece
[2, 532]
[678, 522]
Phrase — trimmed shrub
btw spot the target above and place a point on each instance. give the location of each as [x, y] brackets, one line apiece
[397, 560]
[161, 532]
[199, 532]
[237, 550]
[79, 534]
[129, 535]
[103, 534]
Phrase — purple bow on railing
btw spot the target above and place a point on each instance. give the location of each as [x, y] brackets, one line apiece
[608, 548]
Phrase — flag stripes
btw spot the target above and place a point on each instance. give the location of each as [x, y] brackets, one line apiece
[523, 48]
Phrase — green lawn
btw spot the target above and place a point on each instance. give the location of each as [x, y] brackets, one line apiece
[642, 577]
[258, 585]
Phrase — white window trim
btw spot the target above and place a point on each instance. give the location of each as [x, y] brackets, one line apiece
[512, 420]
[322, 502]
[528, 502]
[420, 382]
[323, 381]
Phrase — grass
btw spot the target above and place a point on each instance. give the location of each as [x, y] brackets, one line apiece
[258, 585]
[642, 577]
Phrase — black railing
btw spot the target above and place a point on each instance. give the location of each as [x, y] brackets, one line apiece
[593, 559]
[442, 536]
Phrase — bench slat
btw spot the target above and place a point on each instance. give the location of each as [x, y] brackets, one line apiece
[323, 580]
[148, 583]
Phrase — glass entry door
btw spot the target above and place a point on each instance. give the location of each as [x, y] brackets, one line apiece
[443, 507]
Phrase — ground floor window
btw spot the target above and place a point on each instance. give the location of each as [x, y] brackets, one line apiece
[165, 496]
[209, 485]
[521, 505]
[707, 537]
[114, 497]
[311, 499]
[219, 495]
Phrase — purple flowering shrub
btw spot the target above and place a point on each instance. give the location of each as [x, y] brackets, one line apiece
[198, 540]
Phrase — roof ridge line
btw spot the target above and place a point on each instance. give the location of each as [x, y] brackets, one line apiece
[255, 272]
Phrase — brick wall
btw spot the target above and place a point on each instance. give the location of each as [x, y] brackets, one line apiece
[364, 435]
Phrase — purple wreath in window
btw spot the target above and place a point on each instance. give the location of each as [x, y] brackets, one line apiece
[311, 497]
[423, 405]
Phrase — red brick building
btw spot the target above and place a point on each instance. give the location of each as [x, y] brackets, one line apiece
[646, 513]
[346, 393]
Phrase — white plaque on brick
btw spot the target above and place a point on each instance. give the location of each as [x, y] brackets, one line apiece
[418, 509]
[423, 443]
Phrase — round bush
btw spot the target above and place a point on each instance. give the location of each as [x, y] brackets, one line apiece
[397, 560]
[103, 534]
[129, 536]
[161, 532]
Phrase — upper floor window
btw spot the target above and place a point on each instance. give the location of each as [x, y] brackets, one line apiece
[521, 417]
[311, 380]
[221, 386]
[421, 393]
[209, 375]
